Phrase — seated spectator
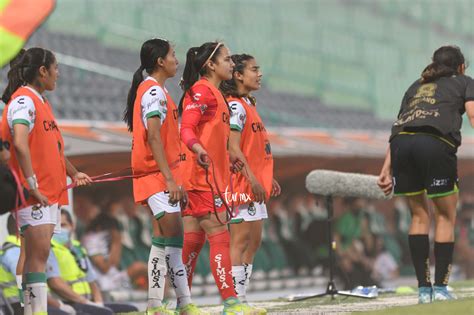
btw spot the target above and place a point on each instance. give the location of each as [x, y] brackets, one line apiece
[284, 223]
[135, 222]
[85, 210]
[353, 239]
[385, 268]
[103, 243]
[465, 240]
[403, 221]
[9, 257]
[70, 276]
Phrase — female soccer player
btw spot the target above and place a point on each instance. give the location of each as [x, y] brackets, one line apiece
[205, 131]
[249, 144]
[422, 162]
[152, 117]
[37, 155]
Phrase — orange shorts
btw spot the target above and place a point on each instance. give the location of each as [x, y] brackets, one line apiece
[201, 203]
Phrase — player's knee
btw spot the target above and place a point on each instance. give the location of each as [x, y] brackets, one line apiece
[254, 244]
[220, 237]
[420, 216]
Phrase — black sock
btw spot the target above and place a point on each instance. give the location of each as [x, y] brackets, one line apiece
[420, 255]
[443, 260]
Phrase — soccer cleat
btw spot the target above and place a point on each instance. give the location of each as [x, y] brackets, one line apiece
[425, 295]
[160, 310]
[248, 309]
[442, 294]
[232, 306]
[190, 309]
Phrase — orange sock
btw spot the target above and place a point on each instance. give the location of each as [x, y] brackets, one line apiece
[193, 243]
[221, 265]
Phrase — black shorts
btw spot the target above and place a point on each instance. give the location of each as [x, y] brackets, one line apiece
[423, 163]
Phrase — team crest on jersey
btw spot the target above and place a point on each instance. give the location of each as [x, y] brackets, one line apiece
[218, 201]
[268, 148]
[163, 103]
[242, 117]
[203, 108]
[252, 210]
[36, 213]
[31, 114]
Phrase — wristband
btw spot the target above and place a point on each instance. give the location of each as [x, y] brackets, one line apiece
[32, 182]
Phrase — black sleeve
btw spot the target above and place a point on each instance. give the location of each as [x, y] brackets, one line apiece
[469, 94]
[403, 104]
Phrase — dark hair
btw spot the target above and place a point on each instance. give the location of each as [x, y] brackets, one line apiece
[11, 225]
[446, 62]
[229, 87]
[196, 57]
[24, 69]
[67, 214]
[151, 50]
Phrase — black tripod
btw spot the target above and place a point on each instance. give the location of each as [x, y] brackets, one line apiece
[331, 287]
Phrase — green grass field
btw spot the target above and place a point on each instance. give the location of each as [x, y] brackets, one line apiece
[390, 304]
[462, 306]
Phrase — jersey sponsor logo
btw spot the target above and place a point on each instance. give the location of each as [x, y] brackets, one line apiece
[440, 182]
[50, 125]
[197, 96]
[188, 264]
[424, 94]
[19, 108]
[268, 148]
[202, 107]
[225, 118]
[234, 197]
[174, 273]
[153, 101]
[155, 273]
[258, 127]
[416, 114]
[36, 213]
[221, 273]
[233, 106]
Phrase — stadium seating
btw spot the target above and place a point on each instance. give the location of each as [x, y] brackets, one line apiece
[85, 95]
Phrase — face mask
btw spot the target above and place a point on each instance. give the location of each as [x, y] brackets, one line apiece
[63, 237]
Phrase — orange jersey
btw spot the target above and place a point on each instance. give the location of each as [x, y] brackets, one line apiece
[46, 146]
[142, 156]
[213, 135]
[254, 145]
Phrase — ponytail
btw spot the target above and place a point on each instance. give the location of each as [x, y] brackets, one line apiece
[14, 77]
[196, 59]
[190, 75]
[436, 70]
[132, 95]
[25, 69]
[151, 50]
[446, 63]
